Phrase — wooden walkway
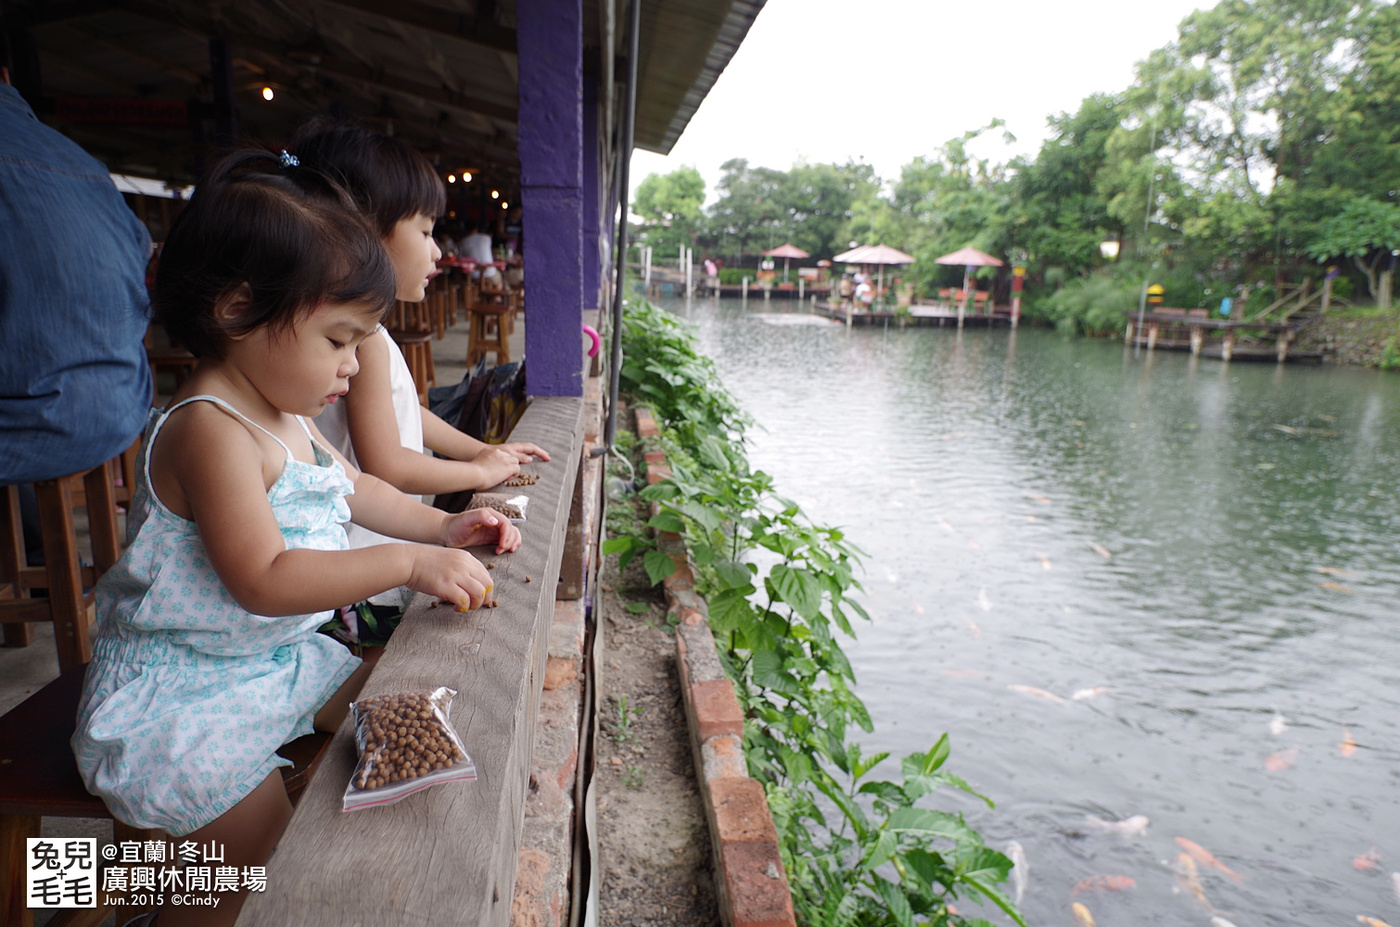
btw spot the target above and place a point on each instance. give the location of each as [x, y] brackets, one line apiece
[1194, 331]
[919, 315]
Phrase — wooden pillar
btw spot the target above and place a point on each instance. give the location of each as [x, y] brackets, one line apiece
[1285, 338]
[1128, 332]
[1227, 348]
[1198, 337]
[549, 39]
[1152, 329]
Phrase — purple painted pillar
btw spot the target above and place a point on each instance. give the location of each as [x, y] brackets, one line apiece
[549, 38]
[592, 257]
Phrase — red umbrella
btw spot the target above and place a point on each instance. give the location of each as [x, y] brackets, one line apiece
[969, 258]
[785, 252]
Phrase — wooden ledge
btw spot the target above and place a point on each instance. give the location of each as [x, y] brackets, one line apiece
[447, 855]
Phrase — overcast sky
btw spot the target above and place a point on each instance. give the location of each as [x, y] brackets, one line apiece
[887, 80]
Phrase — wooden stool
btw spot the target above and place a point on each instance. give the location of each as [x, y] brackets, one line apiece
[63, 577]
[39, 777]
[489, 331]
[417, 348]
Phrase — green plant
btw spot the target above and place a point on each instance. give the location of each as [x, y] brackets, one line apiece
[622, 725]
[779, 589]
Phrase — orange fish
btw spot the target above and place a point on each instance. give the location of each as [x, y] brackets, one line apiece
[1038, 693]
[1281, 760]
[1102, 551]
[1348, 745]
[1206, 858]
[1335, 587]
[1371, 921]
[1103, 883]
[1334, 571]
[1082, 917]
[1371, 859]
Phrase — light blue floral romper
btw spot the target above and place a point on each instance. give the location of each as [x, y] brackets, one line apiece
[189, 696]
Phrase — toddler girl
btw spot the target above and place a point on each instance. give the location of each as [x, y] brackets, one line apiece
[207, 657]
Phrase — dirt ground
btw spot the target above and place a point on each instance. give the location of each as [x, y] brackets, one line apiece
[654, 844]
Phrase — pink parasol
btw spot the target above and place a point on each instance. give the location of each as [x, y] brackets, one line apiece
[785, 252]
[969, 258]
[875, 254]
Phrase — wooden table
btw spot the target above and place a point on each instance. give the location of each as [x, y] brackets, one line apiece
[446, 855]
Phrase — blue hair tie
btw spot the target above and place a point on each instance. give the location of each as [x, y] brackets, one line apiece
[288, 160]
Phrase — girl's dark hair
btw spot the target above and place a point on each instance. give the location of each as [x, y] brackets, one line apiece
[289, 233]
[389, 180]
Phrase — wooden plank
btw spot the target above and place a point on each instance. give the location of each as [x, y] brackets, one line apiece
[446, 855]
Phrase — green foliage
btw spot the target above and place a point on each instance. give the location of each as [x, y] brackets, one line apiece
[1093, 305]
[858, 850]
[670, 207]
[1366, 231]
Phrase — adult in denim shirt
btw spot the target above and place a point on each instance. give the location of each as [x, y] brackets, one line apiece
[75, 385]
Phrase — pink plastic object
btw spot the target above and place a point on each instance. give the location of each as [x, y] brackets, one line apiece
[597, 341]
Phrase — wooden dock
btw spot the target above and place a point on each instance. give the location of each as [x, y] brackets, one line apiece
[926, 315]
[1193, 330]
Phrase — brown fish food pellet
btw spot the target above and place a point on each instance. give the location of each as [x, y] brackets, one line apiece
[524, 479]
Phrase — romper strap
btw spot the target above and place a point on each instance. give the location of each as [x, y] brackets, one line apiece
[221, 403]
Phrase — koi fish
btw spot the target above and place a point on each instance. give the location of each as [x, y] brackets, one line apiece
[1093, 692]
[1132, 826]
[1348, 745]
[1371, 859]
[1335, 587]
[1038, 693]
[1044, 563]
[1371, 921]
[1020, 871]
[1041, 499]
[918, 609]
[1103, 883]
[1102, 551]
[983, 602]
[1281, 760]
[1286, 429]
[1206, 858]
[1032, 518]
[1082, 917]
[1278, 725]
[1219, 921]
[1395, 884]
[1335, 571]
[942, 523]
[1188, 879]
[974, 545]
[1080, 423]
[973, 629]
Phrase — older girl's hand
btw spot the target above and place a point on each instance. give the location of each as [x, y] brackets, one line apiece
[475, 527]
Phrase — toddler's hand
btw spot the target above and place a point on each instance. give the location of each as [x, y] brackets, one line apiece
[480, 526]
[451, 575]
[524, 450]
[497, 465]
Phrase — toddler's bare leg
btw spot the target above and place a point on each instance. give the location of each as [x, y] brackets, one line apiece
[338, 705]
[248, 831]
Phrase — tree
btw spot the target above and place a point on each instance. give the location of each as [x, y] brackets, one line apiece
[670, 205]
[1368, 232]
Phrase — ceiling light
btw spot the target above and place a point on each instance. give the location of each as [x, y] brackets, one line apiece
[495, 194]
[466, 176]
[451, 178]
[267, 93]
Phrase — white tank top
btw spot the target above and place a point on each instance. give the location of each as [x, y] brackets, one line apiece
[407, 412]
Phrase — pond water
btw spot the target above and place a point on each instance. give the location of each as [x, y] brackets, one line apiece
[1125, 585]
